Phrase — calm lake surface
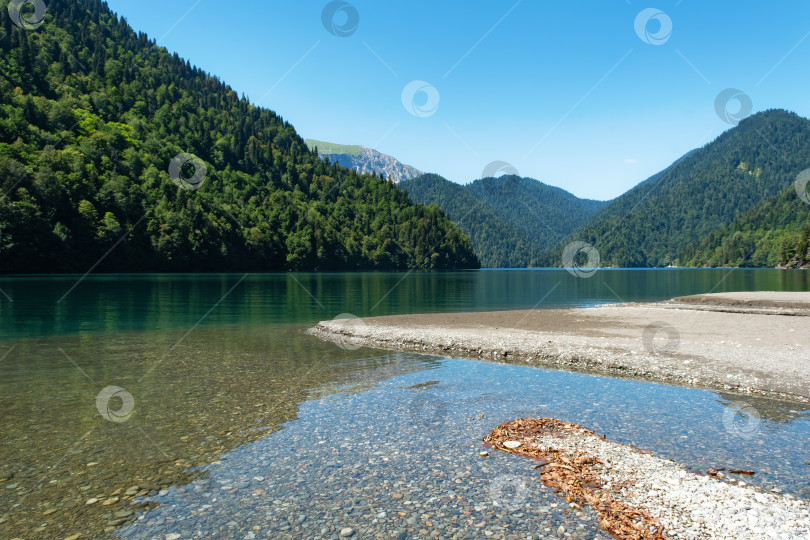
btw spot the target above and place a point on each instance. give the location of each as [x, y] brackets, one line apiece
[183, 406]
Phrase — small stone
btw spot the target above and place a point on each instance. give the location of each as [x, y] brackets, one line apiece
[561, 531]
[483, 453]
[346, 532]
[49, 511]
[12, 486]
[111, 500]
[397, 495]
[511, 444]
[172, 536]
[73, 536]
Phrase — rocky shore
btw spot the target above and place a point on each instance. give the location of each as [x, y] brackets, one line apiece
[639, 495]
[756, 343]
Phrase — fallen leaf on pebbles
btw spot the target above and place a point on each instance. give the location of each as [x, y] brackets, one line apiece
[640, 496]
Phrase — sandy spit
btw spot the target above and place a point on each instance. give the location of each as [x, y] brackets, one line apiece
[756, 343]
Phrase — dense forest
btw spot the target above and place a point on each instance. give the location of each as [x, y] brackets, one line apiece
[512, 221]
[497, 243]
[775, 232]
[92, 116]
[662, 220]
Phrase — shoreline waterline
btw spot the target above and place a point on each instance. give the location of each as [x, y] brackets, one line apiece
[751, 343]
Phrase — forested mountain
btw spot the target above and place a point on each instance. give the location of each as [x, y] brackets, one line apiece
[497, 243]
[775, 232]
[511, 220]
[653, 223]
[99, 129]
[364, 160]
[543, 213]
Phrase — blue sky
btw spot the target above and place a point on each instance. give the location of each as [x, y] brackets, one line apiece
[567, 92]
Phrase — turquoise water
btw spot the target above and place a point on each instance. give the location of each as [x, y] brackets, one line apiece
[225, 387]
[64, 305]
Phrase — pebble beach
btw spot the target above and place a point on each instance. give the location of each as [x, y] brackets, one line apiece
[753, 343]
[747, 343]
[681, 503]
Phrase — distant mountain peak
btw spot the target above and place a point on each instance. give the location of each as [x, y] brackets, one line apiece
[364, 160]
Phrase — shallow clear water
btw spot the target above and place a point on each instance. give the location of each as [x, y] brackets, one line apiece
[418, 435]
[227, 388]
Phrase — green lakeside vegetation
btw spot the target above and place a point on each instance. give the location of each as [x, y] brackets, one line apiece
[91, 116]
[93, 113]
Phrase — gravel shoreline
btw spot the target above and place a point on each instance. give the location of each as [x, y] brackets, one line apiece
[753, 343]
[686, 504]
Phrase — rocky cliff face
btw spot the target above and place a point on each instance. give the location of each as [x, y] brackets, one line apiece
[370, 161]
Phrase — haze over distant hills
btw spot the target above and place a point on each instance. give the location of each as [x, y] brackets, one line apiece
[364, 160]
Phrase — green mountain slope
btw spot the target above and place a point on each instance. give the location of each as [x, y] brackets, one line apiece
[511, 221]
[497, 243]
[707, 189]
[92, 115]
[775, 232]
[543, 213]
